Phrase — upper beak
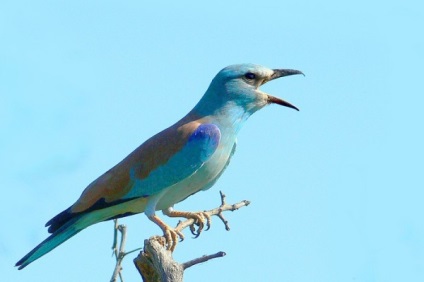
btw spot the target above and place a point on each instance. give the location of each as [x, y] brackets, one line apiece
[277, 74]
[284, 72]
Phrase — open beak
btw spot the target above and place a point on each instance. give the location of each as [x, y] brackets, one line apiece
[277, 74]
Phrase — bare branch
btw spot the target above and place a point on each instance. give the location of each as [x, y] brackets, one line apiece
[155, 262]
[217, 211]
[119, 255]
[202, 259]
[115, 238]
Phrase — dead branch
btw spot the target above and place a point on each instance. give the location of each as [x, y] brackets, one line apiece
[155, 262]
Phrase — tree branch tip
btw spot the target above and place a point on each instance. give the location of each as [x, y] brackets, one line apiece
[202, 259]
[221, 254]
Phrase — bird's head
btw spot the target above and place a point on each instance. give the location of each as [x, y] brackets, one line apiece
[237, 86]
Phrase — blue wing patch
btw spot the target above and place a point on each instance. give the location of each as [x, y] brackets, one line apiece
[200, 146]
[205, 139]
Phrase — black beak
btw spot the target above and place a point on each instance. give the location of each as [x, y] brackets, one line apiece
[277, 74]
[284, 72]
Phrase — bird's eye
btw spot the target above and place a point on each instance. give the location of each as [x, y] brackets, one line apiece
[250, 76]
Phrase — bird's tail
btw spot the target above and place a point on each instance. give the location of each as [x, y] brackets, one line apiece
[66, 231]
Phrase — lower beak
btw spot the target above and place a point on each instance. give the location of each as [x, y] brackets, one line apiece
[277, 74]
[275, 100]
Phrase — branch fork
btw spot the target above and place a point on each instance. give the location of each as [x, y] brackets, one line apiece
[155, 262]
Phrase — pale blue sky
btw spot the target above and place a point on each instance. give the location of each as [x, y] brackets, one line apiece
[336, 189]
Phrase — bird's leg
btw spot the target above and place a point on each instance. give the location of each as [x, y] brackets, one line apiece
[199, 219]
[171, 234]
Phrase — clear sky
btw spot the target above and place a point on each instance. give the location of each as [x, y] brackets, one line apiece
[336, 189]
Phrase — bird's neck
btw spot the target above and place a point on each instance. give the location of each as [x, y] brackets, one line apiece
[228, 115]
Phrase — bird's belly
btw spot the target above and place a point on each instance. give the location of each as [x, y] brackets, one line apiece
[201, 179]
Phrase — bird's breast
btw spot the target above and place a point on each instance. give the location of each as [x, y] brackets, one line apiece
[203, 178]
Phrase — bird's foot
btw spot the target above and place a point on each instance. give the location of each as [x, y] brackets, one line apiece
[170, 234]
[199, 219]
[171, 237]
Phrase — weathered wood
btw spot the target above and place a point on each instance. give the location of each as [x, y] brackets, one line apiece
[155, 262]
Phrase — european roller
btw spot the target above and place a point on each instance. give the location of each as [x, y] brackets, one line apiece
[174, 164]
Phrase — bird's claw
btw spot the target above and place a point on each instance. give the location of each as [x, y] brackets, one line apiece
[199, 220]
[171, 236]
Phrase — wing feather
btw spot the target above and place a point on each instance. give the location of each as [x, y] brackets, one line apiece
[164, 159]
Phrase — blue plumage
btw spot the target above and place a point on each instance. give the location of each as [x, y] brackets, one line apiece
[201, 144]
[181, 160]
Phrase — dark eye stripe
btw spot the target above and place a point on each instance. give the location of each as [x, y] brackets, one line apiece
[250, 75]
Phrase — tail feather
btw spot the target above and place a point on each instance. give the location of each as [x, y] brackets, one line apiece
[65, 226]
[60, 219]
[61, 235]
[66, 231]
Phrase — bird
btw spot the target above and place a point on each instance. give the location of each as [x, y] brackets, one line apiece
[183, 159]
